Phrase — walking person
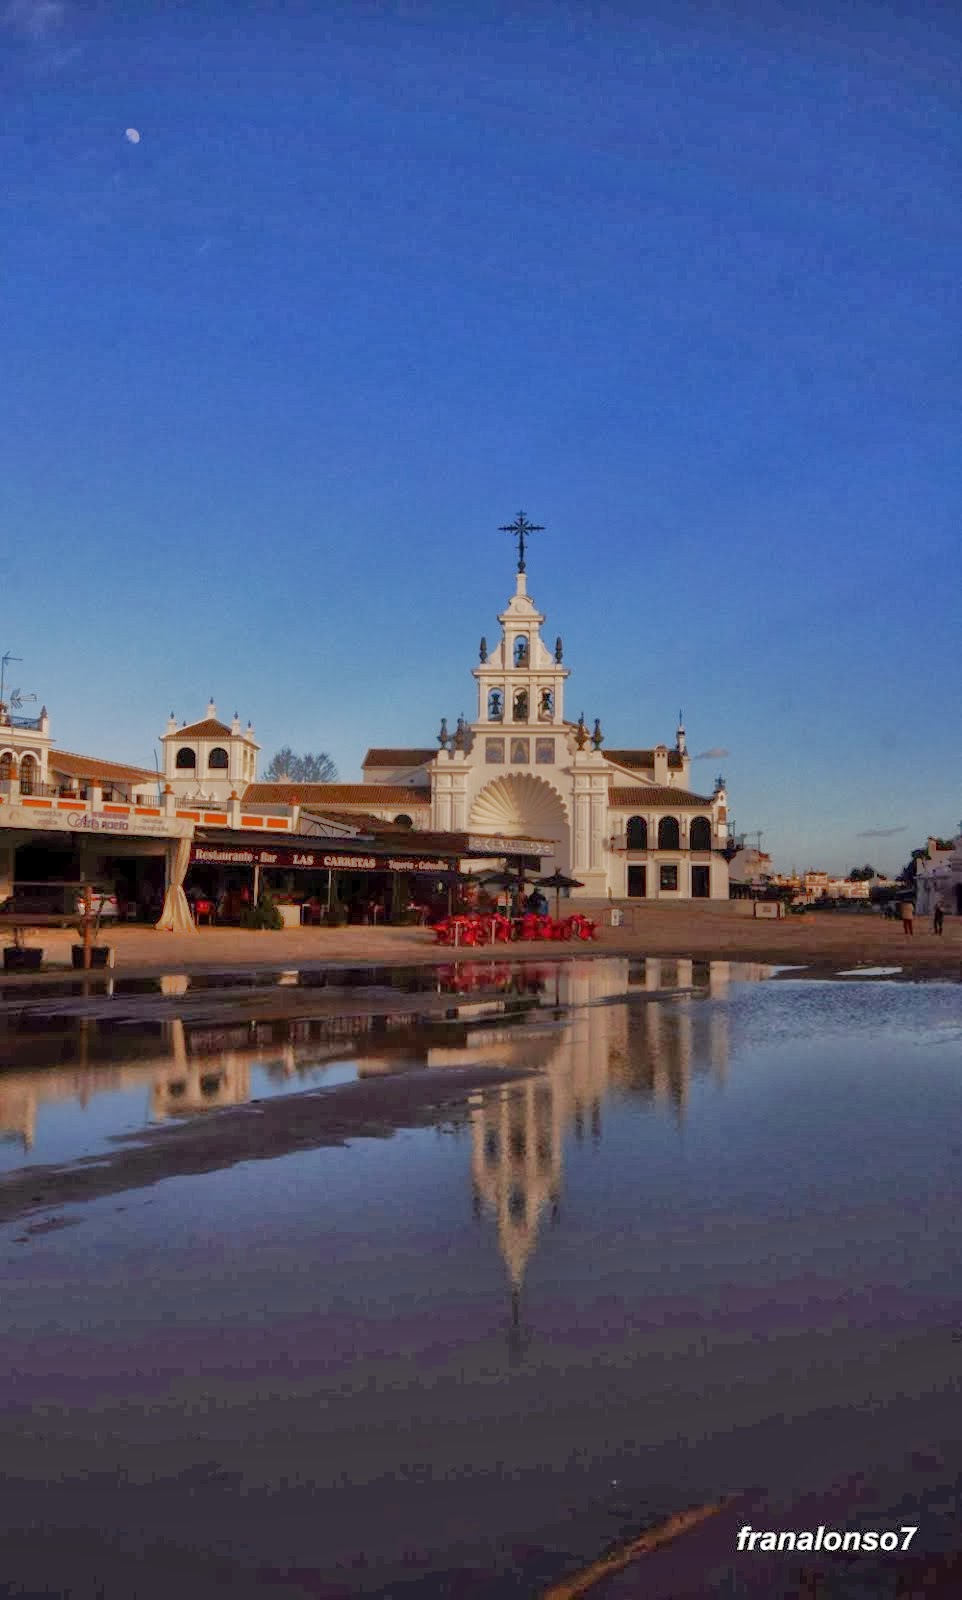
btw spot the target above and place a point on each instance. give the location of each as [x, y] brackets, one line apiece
[938, 917]
[907, 913]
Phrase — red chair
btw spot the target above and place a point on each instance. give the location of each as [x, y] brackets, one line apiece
[203, 909]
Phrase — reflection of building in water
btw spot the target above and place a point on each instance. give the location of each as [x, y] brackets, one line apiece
[200, 1084]
[23, 1093]
[598, 1045]
[672, 1041]
[518, 1131]
[199, 1069]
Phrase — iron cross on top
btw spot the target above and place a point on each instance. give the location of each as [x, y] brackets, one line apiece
[521, 527]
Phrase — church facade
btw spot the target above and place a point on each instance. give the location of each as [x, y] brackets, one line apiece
[624, 822]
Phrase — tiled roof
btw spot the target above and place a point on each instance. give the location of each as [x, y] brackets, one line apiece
[69, 765]
[660, 795]
[210, 728]
[355, 819]
[398, 758]
[359, 795]
[641, 758]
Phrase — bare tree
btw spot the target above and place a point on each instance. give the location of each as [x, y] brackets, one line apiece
[288, 767]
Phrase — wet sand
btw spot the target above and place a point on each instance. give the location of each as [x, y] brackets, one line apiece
[257, 1131]
[723, 930]
[702, 1560]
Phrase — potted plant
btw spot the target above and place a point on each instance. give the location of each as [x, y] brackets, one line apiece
[19, 957]
[101, 955]
[265, 914]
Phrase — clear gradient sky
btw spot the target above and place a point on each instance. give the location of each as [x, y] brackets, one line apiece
[682, 281]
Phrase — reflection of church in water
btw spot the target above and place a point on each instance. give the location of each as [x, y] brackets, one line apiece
[594, 1049]
[583, 1048]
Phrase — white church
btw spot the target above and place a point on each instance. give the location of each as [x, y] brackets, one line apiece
[625, 823]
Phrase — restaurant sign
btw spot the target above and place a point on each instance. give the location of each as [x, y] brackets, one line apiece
[317, 860]
[490, 845]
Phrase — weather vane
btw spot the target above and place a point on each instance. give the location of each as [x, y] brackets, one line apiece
[521, 527]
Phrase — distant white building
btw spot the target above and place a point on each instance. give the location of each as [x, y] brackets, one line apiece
[750, 867]
[939, 877]
[204, 761]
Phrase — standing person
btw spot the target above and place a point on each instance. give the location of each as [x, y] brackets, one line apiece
[938, 917]
[907, 913]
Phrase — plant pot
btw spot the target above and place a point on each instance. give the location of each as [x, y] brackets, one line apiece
[26, 960]
[101, 955]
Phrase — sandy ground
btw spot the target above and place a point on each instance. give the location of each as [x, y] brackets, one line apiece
[723, 931]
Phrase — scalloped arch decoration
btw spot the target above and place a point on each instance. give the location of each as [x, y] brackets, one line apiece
[518, 803]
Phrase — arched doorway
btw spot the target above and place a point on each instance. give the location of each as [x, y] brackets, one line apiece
[520, 806]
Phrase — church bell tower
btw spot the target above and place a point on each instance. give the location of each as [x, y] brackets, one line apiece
[520, 681]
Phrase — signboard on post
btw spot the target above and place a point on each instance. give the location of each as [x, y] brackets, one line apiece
[490, 845]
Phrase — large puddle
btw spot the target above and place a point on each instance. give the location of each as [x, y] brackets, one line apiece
[708, 1240]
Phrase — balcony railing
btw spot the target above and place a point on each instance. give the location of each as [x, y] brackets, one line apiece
[27, 786]
[32, 724]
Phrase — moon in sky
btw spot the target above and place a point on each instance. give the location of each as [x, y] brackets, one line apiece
[131, 135]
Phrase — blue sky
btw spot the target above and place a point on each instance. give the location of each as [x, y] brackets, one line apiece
[680, 281]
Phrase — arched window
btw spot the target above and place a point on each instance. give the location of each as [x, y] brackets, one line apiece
[520, 705]
[637, 833]
[185, 760]
[699, 834]
[668, 835]
[29, 774]
[403, 821]
[6, 766]
[218, 759]
[521, 651]
[495, 705]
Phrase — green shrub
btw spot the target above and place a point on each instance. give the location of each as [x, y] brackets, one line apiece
[265, 914]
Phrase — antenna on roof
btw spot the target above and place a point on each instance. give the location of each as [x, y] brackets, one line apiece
[4, 662]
